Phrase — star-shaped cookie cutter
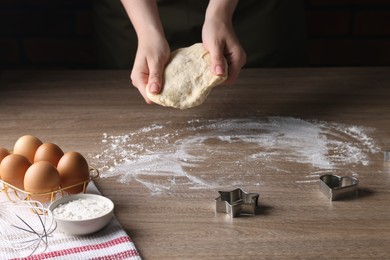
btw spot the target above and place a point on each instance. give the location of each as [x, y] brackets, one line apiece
[236, 202]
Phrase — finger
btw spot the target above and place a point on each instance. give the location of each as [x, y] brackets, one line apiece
[144, 95]
[217, 60]
[155, 78]
[236, 60]
[139, 80]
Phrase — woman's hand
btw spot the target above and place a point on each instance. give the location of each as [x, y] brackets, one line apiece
[150, 60]
[153, 50]
[220, 40]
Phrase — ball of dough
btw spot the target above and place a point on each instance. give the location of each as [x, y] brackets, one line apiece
[188, 78]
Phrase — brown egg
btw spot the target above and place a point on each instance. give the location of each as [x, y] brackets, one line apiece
[48, 152]
[13, 168]
[27, 146]
[73, 169]
[41, 177]
[3, 153]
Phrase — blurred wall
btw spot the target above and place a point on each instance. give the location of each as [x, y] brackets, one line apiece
[59, 33]
[348, 32]
[46, 34]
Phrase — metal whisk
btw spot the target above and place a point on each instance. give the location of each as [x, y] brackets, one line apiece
[25, 226]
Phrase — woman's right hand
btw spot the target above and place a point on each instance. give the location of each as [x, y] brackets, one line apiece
[150, 60]
[153, 50]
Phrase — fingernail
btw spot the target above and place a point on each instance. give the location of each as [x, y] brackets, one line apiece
[219, 70]
[154, 88]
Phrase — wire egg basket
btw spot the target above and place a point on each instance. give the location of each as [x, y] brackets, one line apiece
[14, 194]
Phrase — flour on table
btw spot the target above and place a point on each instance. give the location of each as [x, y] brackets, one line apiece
[205, 154]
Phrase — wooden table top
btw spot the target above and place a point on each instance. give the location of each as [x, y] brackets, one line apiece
[274, 132]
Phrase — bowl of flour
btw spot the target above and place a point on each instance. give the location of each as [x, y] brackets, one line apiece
[82, 214]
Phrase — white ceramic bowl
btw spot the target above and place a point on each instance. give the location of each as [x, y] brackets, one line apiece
[82, 226]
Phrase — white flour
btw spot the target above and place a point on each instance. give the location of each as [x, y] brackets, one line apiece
[165, 156]
[81, 209]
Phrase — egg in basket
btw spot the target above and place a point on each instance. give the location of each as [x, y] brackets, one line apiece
[42, 171]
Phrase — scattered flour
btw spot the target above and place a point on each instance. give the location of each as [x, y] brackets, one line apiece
[162, 159]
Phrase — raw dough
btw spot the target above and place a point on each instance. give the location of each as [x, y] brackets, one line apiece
[188, 78]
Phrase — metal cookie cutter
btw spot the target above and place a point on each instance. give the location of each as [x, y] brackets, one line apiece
[236, 202]
[386, 156]
[336, 187]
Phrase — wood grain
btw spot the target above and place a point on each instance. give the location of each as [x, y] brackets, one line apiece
[75, 108]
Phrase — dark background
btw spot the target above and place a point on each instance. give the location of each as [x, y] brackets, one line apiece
[59, 33]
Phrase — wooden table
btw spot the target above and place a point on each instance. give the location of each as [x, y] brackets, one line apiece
[74, 109]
